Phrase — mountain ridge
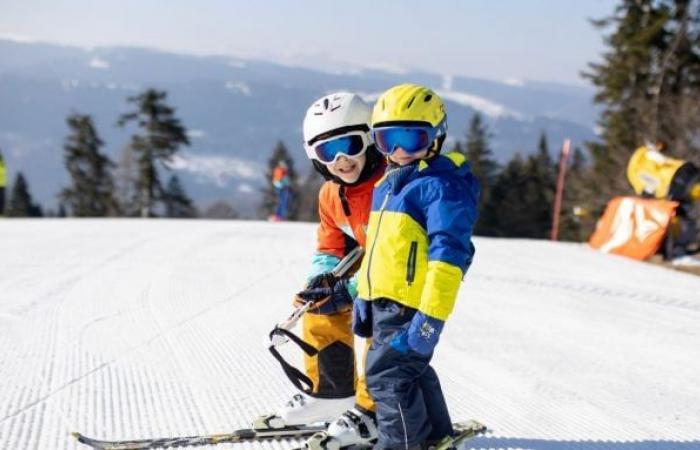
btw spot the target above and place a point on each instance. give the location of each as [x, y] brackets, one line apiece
[237, 109]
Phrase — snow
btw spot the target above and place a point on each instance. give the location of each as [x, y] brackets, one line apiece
[133, 328]
[239, 87]
[194, 133]
[217, 169]
[486, 106]
[515, 82]
[481, 104]
[21, 38]
[98, 63]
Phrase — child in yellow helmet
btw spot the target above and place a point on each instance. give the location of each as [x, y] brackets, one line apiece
[418, 250]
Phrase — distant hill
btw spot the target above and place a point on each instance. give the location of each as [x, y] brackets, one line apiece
[237, 109]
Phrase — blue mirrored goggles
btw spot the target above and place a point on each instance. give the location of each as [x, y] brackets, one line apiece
[351, 145]
[410, 138]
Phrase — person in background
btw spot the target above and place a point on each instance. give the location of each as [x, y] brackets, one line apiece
[3, 183]
[280, 181]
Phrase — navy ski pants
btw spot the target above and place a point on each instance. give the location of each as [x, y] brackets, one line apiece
[411, 408]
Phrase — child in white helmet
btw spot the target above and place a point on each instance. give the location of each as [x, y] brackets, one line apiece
[338, 143]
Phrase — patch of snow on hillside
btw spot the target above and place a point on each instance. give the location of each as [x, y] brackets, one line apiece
[245, 188]
[386, 67]
[18, 38]
[369, 97]
[488, 107]
[98, 63]
[238, 87]
[196, 134]
[447, 82]
[217, 169]
[516, 82]
[483, 105]
[67, 85]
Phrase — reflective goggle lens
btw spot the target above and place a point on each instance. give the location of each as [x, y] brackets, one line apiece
[347, 145]
[410, 139]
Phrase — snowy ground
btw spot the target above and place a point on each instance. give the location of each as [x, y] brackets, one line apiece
[139, 328]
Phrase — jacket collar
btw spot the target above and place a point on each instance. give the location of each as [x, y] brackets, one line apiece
[398, 176]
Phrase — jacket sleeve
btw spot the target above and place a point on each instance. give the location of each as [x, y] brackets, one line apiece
[450, 216]
[330, 239]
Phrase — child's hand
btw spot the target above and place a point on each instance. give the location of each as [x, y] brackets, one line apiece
[329, 297]
[424, 333]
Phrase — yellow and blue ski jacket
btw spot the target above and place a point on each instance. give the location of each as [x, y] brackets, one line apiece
[419, 236]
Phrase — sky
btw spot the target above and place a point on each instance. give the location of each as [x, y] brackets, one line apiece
[546, 40]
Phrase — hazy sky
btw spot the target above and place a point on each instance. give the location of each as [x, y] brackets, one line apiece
[497, 39]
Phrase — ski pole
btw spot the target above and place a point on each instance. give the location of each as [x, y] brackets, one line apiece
[340, 269]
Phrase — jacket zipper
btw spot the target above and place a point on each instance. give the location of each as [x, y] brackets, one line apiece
[344, 201]
[374, 241]
[411, 264]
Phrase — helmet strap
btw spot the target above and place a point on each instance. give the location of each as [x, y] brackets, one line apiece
[434, 149]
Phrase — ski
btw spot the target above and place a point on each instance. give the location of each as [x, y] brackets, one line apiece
[463, 432]
[242, 435]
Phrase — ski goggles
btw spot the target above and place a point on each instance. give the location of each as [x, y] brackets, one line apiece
[410, 138]
[351, 145]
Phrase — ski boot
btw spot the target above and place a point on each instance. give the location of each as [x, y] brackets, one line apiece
[303, 410]
[353, 429]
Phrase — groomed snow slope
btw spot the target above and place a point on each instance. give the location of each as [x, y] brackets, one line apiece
[129, 328]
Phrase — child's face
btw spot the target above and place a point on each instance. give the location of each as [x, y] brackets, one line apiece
[403, 158]
[348, 169]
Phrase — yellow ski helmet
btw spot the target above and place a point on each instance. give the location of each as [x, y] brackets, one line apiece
[408, 103]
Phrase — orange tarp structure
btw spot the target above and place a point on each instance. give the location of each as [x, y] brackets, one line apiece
[633, 226]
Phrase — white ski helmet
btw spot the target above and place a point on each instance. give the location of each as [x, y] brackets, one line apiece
[335, 114]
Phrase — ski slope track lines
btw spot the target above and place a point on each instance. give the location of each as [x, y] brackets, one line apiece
[135, 329]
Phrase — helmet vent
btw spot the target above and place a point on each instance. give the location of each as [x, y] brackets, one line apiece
[410, 102]
[428, 98]
[325, 103]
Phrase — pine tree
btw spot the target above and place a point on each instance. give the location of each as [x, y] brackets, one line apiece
[90, 192]
[521, 197]
[161, 136]
[269, 200]
[541, 189]
[482, 164]
[648, 86]
[575, 222]
[508, 215]
[177, 203]
[21, 203]
[125, 183]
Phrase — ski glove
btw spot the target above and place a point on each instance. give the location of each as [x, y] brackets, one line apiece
[362, 318]
[422, 335]
[329, 294]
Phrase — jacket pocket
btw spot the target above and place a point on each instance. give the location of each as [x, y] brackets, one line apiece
[411, 263]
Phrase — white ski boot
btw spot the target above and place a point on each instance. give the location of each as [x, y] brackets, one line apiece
[303, 410]
[353, 429]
